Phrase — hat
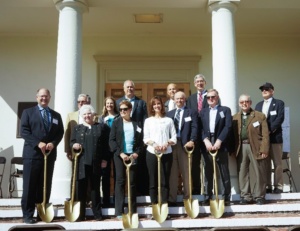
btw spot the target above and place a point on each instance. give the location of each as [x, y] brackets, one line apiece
[266, 85]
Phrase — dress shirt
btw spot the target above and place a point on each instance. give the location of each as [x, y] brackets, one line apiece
[266, 106]
[212, 118]
[180, 120]
[132, 103]
[171, 105]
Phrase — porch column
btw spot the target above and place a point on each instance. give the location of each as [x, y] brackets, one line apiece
[67, 82]
[224, 62]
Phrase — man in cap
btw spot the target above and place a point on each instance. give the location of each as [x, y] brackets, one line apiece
[274, 111]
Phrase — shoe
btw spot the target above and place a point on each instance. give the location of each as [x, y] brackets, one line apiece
[98, 218]
[260, 201]
[206, 202]
[227, 202]
[278, 190]
[29, 221]
[243, 201]
[268, 190]
[172, 204]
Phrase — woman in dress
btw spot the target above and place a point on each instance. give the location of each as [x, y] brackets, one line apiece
[92, 138]
[109, 114]
[159, 135]
[126, 140]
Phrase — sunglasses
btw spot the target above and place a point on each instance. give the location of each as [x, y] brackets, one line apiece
[124, 109]
[245, 101]
[81, 101]
[211, 97]
[265, 89]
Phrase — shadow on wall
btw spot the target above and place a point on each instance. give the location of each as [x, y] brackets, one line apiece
[8, 154]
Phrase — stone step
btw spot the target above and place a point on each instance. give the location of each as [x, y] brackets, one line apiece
[281, 210]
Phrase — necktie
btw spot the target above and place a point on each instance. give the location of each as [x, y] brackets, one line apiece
[177, 119]
[45, 120]
[199, 102]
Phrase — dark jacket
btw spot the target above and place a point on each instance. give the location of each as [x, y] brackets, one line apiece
[33, 132]
[100, 140]
[116, 140]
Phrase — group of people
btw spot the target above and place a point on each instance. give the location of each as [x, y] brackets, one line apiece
[126, 132]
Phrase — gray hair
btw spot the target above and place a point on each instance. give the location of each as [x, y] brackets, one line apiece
[82, 95]
[248, 96]
[181, 93]
[86, 107]
[198, 76]
[128, 80]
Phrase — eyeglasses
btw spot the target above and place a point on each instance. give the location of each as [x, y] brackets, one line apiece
[265, 89]
[245, 101]
[83, 102]
[124, 109]
[211, 97]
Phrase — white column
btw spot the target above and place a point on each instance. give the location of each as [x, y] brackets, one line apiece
[68, 81]
[224, 62]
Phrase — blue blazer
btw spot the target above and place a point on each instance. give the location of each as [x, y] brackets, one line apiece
[33, 132]
[275, 119]
[192, 102]
[222, 125]
[189, 126]
[139, 110]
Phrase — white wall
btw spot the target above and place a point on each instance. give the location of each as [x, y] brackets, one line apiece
[27, 63]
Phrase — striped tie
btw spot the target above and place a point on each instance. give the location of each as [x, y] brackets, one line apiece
[45, 120]
[200, 102]
[177, 119]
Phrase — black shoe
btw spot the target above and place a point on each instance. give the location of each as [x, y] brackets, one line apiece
[98, 218]
[206, 202]
[278, 190]
[227, 202]
[29, 221]
[260, 201]
[268, 190]
[243, 201]
[172, 204]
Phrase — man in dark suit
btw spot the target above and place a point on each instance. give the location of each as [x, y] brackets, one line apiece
[170, 103]
[138, 114]
[42, 129]
[274, 111]
[186, 124]
[197, 101]
[216, 124]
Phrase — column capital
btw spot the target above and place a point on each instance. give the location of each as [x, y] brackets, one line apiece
[217, 4]
[78, 4]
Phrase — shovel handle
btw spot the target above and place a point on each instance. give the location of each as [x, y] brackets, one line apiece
[213, 154]
[46, 152]
[76, 152]
[158, 154]
[129, 162]
[189, 150]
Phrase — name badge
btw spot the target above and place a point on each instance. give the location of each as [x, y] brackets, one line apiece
[55, 121]
[273, 113]
[222, 114]
[138, 129]
[256, 124]
[187, 119]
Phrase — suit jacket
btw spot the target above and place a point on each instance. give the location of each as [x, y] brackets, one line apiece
[257, 130]
[192, 102]
[189, 124]
[139, 110]
[223, 125]
[71, 122]
[167, 105]
[33, 132]
[275, 119]
[116, 137]
[100, 146]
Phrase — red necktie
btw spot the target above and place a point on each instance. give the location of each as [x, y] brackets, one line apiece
[199, 102]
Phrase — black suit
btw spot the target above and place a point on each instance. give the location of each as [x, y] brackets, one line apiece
[275, 118]
[116, 143]
[188, 132]
[192, 102]
[33, 132]
[139, 114]
[222, 130]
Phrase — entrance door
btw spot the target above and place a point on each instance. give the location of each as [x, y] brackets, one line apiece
[145, 90]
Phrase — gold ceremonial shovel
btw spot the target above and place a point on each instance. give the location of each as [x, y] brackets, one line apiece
[45, 211]
[130, 220]
[159, 210]
[216, 206]
[191, 205]
[72, 208]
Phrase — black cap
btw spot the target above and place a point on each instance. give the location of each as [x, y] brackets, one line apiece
[266, 85]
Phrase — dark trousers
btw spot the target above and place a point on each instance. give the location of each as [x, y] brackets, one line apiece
[165, 170]
[121, 178]
[196, 160]
[142, 176]
[33, 182]
[222, 163]
[93, 181]
[106, 181]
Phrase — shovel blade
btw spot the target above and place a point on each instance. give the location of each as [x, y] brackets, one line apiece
[217, 208]
[191, 207]
[160, 212]
[46, 212]
[130, 221]
[72, 210]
